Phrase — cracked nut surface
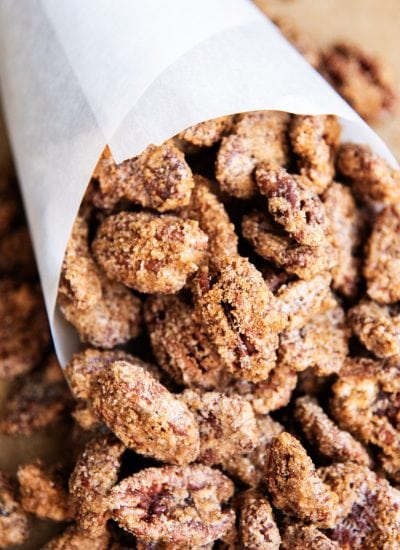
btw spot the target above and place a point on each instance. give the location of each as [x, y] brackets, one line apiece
[14, 523]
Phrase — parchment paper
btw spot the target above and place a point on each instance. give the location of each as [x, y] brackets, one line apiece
[79, 74]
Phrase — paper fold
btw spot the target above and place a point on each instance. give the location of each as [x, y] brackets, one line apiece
[77, 75]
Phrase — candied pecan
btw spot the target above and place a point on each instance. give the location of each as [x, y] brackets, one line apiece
[85, 417]
[94, 475]
[377, 326]
[271, 243]
[256, 137]
[213, 219]
[382, 261]
[16, 254]
[302, 300]
[322, 343]
[114, 320]
[75, 539]
[298, 209]
[24, 332]
[345, 234]
[312, 383]
[42, 491]
[205, 134]
[159, 178]
[144, 414]
[300, 40]
[14, 525]
[323, 434]
[180, 505]
[80, 279]
[370, 508]
[181, 345]
[270, 394]
[249, 469]
[241, 317]
[366, 401]
[148, 252]
[37, 400]
[301, 537]
[227, 425]
[314, 140]
[370, 175]
[360, 78]
[294, 484]
[257, 527]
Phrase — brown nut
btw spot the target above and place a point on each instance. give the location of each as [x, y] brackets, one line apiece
[257, 527]
[256, 137]
[75, 539]
[43, 492]
[14, 524]
[159, 178]
[241, 317]
[205, 134]
[180, 505]
[314, 140]
[94, 475]
[149, 253]
[144, 415]
[294, 484]
[299, 537]
[16, 254]
[227, 425]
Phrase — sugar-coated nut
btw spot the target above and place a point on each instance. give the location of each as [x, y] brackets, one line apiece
[345, 234]
[298, 209]
[256, 137]
[210, 213]
[377, 326]
[382, 263]
[38, 400]
[360, 78]
[314, 140]
[271, 243]
[144, 415]
[75, 539]
[369, 507]
[94, 475]
[325, 436]
[227, 425]
[114, 319]
[241, 317]
[24, 332]
[180, 505]
[16, 254]
[159, 178]
[299, 537]
[257, 527]
[149, 253]
[205, 134]
[322, 343]
[370, 175]
[14, 524]
[294, 484]
[43, 492]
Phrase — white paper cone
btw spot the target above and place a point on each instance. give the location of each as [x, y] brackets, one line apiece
[79, 74]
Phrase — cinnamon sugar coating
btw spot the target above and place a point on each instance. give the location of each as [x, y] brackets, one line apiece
[149, 253]
[256, 137]
[322, 343]
[381, 268]
[298, 537]
[294, 484]
[75, 539]
[144, 415]
[257, 527]
[179, 505]
[227, 425]
[24, 332]
[361, 78]
[14, 524]
[181, 344]
[314, 140]
[205, 134]
[241, 317]
[377, 326]
[43, 492]
[94, 475]
[325, 436]
[159, 178]
[370, 175]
